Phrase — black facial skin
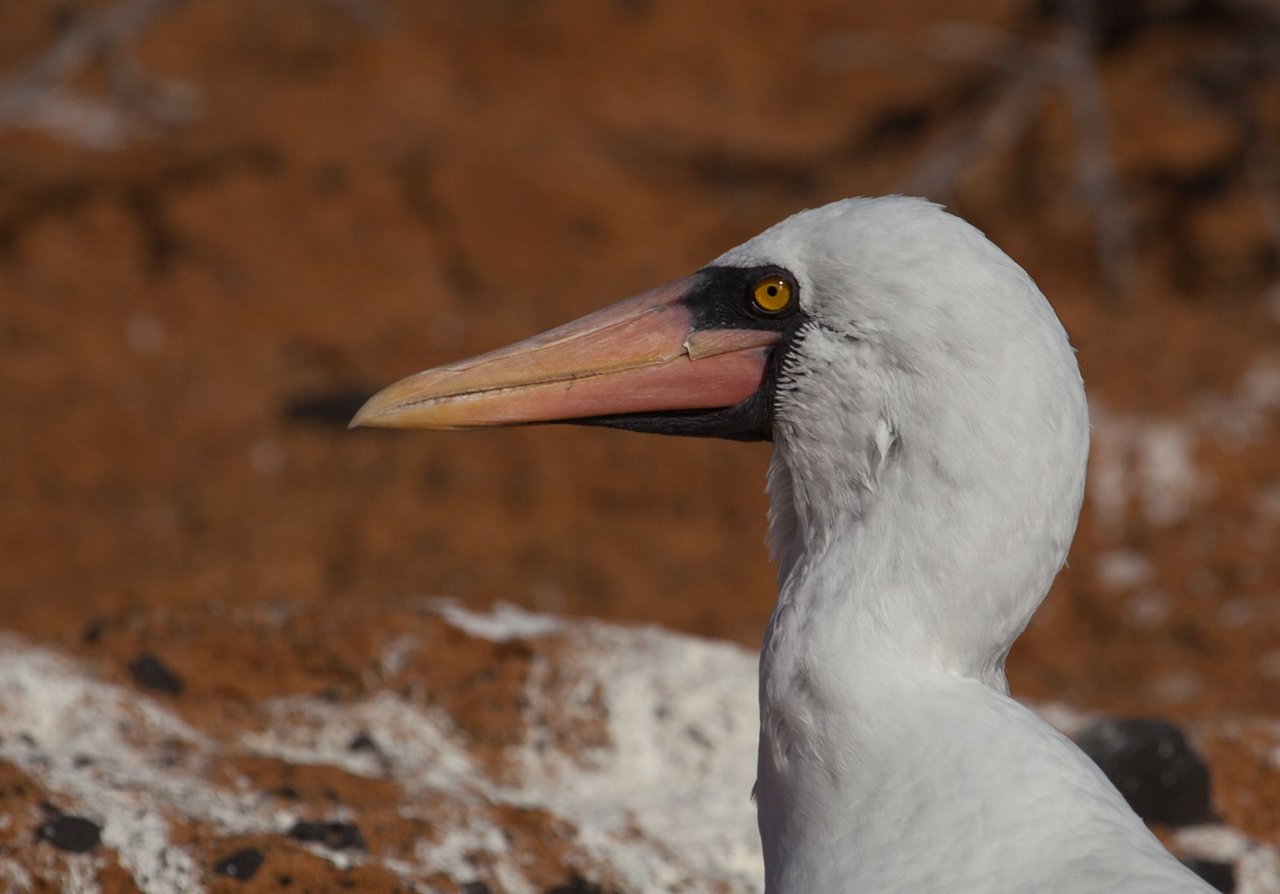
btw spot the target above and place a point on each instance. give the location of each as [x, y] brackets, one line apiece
[721, 299]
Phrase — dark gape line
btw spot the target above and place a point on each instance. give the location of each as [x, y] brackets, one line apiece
[750, 420]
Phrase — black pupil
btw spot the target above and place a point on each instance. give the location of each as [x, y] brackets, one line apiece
[773, 291]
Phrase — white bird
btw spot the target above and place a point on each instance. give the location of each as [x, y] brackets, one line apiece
[930, 437]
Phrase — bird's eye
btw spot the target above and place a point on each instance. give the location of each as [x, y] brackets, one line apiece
[772, 295]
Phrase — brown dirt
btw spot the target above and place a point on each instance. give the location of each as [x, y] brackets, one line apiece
[231, 662]
[353, 205]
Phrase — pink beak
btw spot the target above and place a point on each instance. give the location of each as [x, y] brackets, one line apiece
[640, 355]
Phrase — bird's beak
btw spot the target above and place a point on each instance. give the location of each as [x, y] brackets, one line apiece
[642, 355]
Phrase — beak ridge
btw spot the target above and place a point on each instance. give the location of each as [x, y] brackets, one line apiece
[640, 355]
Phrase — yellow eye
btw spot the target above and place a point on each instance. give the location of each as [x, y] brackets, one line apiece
[772, 294]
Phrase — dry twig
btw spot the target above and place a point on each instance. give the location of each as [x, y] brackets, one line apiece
[1026, 71]
[1077, 70]
[38, 95]
[1061, 50]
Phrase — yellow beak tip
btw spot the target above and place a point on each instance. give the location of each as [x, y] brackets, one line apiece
[364, 416]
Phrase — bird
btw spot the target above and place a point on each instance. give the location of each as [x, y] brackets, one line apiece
[930, 436]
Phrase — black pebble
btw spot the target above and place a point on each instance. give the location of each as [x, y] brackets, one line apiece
[91, 633]
[335, 836]
[1152, 765]
[149, 671]
[330, 409]
[242, 865]
[73, 834]
[1221, 875]
[362, 741]
[576, 885]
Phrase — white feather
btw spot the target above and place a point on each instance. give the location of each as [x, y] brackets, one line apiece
[930, 439]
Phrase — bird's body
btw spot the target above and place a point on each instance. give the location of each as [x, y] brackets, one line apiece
[930, 438]
[952, 787]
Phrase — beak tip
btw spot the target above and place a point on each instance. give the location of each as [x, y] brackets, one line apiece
[363, 416]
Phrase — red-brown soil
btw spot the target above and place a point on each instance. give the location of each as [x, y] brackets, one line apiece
[353, 204]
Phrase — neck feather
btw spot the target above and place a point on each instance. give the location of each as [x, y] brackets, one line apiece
[891, 552]
[891, 758]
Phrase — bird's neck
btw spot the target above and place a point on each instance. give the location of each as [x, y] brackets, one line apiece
[887, 551]
[887, 589]
[890, 753]
[923, 781]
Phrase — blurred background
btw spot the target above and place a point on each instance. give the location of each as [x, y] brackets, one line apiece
[223, 222]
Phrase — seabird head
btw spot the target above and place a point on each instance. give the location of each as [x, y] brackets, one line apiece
[929, 422]
[924, 403]
[930, 436]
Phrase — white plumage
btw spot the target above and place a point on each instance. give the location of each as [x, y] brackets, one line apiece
[930, 437]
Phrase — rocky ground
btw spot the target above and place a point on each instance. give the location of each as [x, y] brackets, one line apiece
[224, 668]
[426, 747]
